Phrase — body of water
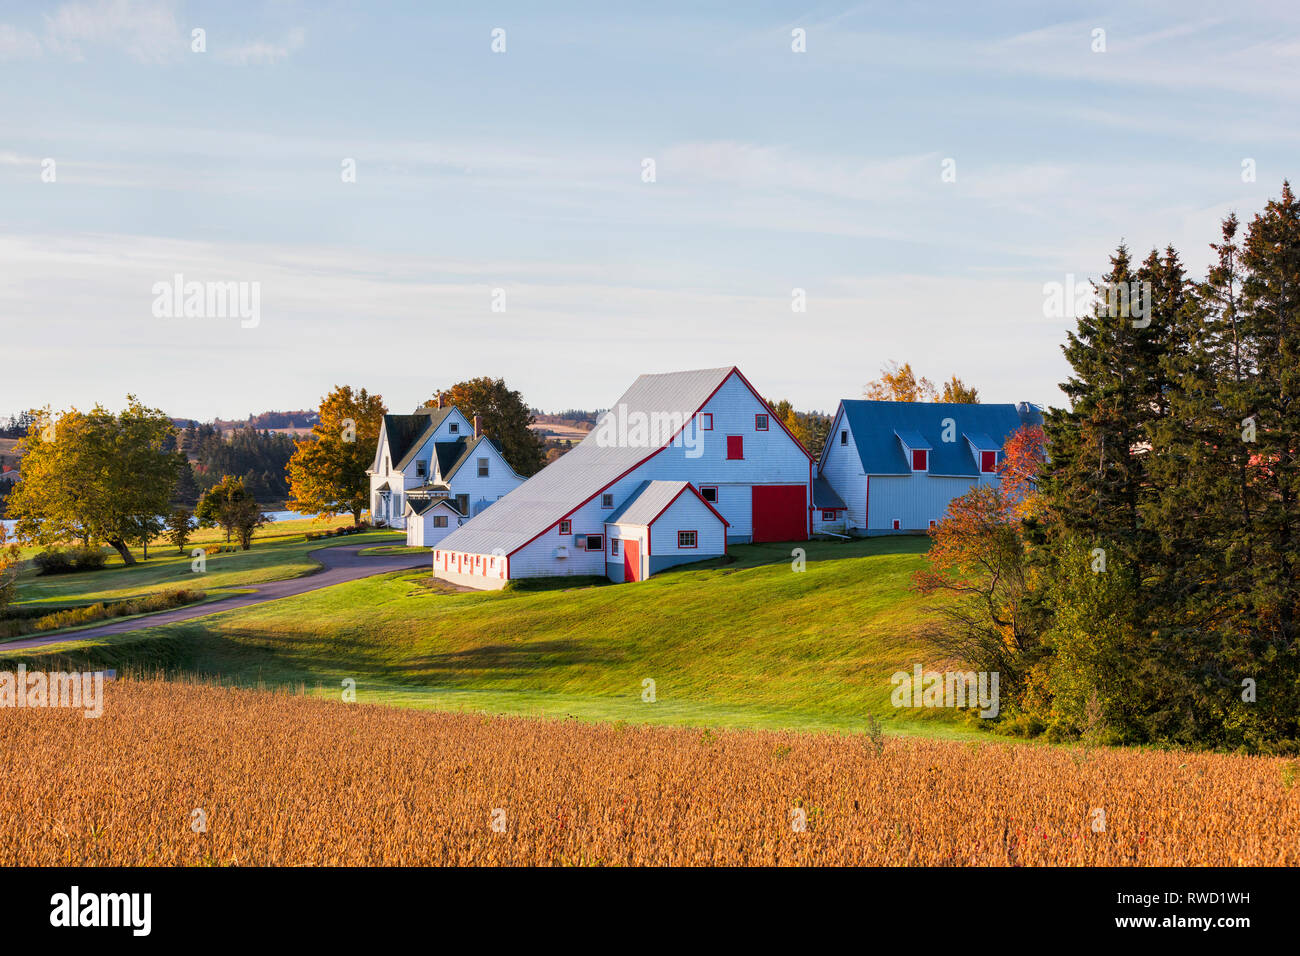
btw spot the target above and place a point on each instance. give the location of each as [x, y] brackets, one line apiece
[8, 523]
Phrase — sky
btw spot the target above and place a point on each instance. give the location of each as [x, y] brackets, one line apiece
[614, 189]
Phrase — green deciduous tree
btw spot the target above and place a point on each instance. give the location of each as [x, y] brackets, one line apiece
[503, 416]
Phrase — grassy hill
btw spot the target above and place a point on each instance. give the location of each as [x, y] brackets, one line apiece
[746, 644]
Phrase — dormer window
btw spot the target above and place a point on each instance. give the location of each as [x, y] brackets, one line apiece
[988, 462]
[920, 459]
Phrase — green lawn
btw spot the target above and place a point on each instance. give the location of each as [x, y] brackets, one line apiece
[750, 643]
[280, 552]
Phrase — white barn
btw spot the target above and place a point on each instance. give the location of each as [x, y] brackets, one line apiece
[661, 524]
[433, 471]
[708, 428]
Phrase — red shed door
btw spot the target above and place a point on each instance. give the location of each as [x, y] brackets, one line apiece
[780, 513]
[631, 560]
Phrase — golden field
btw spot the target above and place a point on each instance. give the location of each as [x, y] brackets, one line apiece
[287, 780]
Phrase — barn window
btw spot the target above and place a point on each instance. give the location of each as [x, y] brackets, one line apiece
[988, 461]
[440, 521]
[828, 515]
[709, 493]
[566, 527]
[706, 421]
[686, 539]
[595, 542]
[453, 427]
[844, 437]
[613, 546]
[896, 524]
[931, 522]
[421, 468]
[607, 500]
[482, 467]
[760, 423]
[735, 447]
[920, 459]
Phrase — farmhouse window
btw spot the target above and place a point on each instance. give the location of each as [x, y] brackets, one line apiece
[607, 500]
[421, 468]
[988, 461]
[920, 459]
[706, 421]
[613, 546]
[453, 427]
[440, 521]
[686, 539]
[735, 447]
[760, 423]
[595, 542]
[566, 527]
[828, 515]
[482, 467]
[709, 493]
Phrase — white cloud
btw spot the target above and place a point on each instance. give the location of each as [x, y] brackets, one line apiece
[146, 30]
[263, 52]
[18, 44]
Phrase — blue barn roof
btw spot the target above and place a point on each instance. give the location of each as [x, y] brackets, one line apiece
[876, 428]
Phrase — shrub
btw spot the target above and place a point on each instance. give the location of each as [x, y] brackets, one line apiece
[66, 561]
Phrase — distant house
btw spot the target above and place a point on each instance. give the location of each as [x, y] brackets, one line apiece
[681, 464]
[897, 465]
[433, 471]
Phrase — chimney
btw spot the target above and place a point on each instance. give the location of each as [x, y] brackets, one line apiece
[476, 426]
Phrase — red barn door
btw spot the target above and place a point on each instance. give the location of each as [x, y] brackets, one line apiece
[780, 512]
[631, 560]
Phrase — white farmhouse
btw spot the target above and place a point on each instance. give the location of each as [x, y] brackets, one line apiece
[672, 442]
[433, 471]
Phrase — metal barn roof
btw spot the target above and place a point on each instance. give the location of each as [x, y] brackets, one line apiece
[580, 474]
[876, 428]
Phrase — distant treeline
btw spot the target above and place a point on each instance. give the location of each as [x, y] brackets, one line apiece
[256, 455]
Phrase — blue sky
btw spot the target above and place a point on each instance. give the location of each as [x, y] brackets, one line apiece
[522, 171]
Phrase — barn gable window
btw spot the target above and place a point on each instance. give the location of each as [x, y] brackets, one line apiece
[706, 421]
[709, 493]
[607, 500]
[844, 436]
[735, 447]
[760, 423]
[566, 527]
[687, 539]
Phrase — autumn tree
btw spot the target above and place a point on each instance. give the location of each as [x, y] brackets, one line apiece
[898, 383]
[958, 392]
[222, 505]
[96, 476]
[9, 564]
[503, 415]
[811, 428]
[327, 473]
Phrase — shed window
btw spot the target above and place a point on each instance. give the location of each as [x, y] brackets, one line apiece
[920, 459]
[686, 539]
[735, 446]
[482, 467]
[988, 461]
[566, 527]
[607, 500]
[760, 423]
[613, 546]
[709, 493]
[440, 521]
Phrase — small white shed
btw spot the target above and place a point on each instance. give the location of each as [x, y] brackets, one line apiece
[429, 521]
[662, 523]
